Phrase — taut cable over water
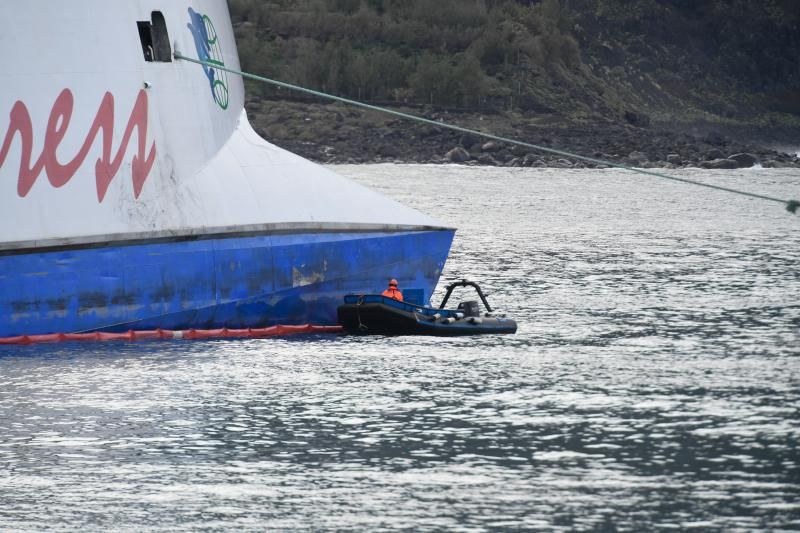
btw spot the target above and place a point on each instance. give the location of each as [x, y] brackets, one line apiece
[791, 205]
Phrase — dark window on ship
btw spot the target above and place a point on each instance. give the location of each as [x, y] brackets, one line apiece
[147, 39]
[154, 38]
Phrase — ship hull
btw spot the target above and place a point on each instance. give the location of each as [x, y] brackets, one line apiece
[234, 282]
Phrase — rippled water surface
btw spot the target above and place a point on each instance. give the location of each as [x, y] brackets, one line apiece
[654, 383]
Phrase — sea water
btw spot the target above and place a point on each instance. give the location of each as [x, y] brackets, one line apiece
[654, 383]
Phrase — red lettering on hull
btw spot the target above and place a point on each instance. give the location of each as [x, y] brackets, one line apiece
[104, 169]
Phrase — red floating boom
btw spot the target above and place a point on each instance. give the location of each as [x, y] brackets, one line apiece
[156, 334]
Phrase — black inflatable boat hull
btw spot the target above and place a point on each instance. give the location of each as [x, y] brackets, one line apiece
[377, 315]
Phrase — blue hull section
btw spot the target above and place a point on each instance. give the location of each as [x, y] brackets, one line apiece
[228, 282]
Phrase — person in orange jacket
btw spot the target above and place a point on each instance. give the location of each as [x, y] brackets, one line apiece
[393, 291]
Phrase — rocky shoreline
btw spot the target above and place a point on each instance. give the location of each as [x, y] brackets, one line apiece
[333, 133]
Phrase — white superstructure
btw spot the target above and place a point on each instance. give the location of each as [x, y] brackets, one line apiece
[85, 73]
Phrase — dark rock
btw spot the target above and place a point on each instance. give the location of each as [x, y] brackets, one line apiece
[486, 159]
[491, 146]
[719, 164]
[388, 150]
[519, 151]
[283, 123]
[430, 131]
[637, 158]
[690, 151]
[638, 119]
[457, 155]
[564, 163]
[516, 162]
[467, 140]
[654, 155]
[745, 160]
[503, 155]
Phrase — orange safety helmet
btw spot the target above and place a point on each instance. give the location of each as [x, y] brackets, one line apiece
[393, 283]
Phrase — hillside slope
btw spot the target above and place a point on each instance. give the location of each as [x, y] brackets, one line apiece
[652, 76]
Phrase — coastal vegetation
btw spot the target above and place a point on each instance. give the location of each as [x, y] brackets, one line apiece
[505, 53]
[682, 66]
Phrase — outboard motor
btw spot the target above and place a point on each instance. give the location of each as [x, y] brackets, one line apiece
[471, 308]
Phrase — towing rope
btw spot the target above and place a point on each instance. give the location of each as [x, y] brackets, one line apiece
[791, 205]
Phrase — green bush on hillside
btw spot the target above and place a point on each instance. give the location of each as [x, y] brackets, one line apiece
[458, 53]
